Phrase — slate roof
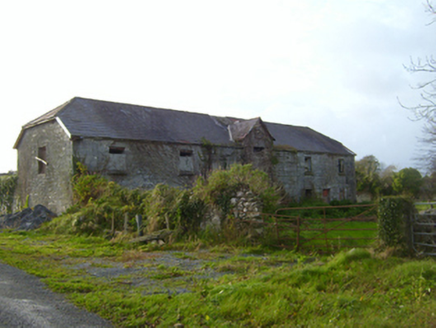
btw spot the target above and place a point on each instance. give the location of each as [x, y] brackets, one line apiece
[305, 139]
[83, 117]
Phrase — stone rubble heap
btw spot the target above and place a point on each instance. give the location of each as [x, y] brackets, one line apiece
[27, 219]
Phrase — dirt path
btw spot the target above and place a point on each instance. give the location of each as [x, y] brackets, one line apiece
[26, 302]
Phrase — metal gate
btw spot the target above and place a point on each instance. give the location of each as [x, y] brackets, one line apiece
[423, 230]
[326, 228]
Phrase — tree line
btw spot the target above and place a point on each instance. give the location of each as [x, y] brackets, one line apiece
[375, 179]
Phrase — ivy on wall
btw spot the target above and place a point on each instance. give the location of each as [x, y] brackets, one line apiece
[395, 215]
[8, 184]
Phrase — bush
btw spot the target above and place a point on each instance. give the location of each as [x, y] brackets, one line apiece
[222, 186]
[101, 205]
[8, 184]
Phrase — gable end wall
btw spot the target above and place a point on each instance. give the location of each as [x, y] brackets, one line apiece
[52, 188]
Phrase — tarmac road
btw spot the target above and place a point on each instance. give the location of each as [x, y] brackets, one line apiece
[26, 302]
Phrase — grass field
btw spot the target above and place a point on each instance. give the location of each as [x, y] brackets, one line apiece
[326, 228]
[221, 286]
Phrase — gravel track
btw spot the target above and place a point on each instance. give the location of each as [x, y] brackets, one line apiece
[26, 302]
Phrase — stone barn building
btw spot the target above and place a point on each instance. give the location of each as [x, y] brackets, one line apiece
[139, 147]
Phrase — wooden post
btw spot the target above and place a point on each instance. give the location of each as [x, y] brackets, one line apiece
[139, 224]
[277, 230]
[325, 230]
[167, 221]
[113, 224]
[298, 233]
[126, 219]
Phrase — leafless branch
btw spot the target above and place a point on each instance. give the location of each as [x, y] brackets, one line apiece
[426, 108]
[431, 9]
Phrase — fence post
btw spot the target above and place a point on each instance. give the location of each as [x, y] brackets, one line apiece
[298, 232]
[113, 224]
[277, 230]
[409, 219]
[126, 219]
[325, 229]
[139, 224]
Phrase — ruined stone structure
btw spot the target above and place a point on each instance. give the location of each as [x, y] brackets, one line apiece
[139, 146]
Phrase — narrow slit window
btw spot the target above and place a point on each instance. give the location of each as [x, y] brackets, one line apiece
[308, 165]
[116, 150]
[341, 166]
[258, 149]
[185, 153]
[42, 160]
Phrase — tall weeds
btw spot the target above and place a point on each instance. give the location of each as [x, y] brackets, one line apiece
[102, 205]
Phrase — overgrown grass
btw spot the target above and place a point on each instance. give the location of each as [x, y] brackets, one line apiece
[228, 286]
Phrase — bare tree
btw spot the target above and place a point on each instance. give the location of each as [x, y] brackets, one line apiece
[426, 108]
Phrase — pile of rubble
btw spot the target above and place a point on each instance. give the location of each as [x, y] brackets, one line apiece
[27, 219]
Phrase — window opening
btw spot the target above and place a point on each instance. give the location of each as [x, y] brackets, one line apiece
[42, 160]
[258, 149]
[186, 162]
[186, 153]
[341, 166]
[116, 150]
[308, 165]
[116, 163]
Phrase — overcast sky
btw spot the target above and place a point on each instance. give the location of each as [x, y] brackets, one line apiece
[335, 66]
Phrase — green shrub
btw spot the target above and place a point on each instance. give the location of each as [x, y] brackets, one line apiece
[190, 212]
[159, 207]
[8, 184]
[222, 185]
[101, 205]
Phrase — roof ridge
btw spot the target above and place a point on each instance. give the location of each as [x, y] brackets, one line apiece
[283, 124]
[50, 115]
[139, 106]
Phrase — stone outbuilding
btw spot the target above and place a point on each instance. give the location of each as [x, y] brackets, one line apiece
[139, 147]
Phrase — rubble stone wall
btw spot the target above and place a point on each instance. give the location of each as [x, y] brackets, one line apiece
[52, 188]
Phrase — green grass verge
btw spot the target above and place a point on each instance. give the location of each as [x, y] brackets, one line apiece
[228, 287]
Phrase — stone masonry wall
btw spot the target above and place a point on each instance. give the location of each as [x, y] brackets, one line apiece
[323, 179]
[53, 187]
[144, 164]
